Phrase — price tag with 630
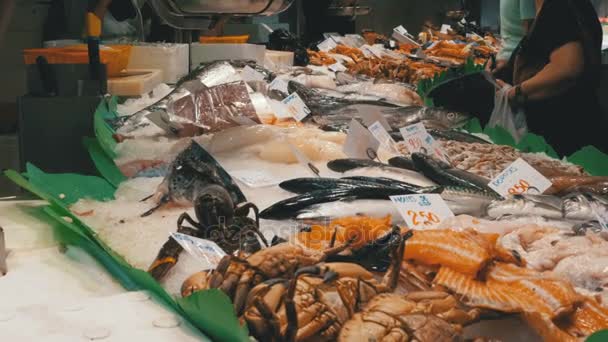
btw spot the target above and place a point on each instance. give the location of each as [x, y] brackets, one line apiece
[422, 211]
[519, 178]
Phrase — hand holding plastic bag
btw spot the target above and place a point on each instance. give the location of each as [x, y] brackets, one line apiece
[503, 115]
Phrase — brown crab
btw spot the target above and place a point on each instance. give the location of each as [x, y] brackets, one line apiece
[236, 276]
[417, 316]
[317, 301]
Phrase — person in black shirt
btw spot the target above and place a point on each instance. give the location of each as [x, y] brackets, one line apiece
[556, 70]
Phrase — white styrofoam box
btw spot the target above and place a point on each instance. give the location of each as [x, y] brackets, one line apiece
[280, 58]
[172, 59]
[203, 53]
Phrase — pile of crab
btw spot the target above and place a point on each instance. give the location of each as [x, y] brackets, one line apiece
[348, 291]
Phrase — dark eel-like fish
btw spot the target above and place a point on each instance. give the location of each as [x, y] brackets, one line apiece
[456, 136]
[290, 207]
[444, 174]
[305, 185]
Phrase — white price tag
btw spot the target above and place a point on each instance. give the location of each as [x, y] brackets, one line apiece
[206, 251]
[374, 50]
[366, 51]
[337, 67]
[280, 85]
[255, 178]
[519, 178]
[371, 116]
[401, 35]
[296, 107]
[417, 139]
[380, 133]
[249, 74]
[327, 45]
[422, 211]
[445, 28]
[400, 29]
[279, 109]
[360, 143]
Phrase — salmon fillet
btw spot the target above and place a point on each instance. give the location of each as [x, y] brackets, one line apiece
[586, 319]
[467, 252]
[510, 288]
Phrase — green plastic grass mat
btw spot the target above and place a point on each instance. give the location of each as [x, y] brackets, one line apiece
[214, 316]
[426, 85]
[593, 160]
[599, 336]
[104, 164]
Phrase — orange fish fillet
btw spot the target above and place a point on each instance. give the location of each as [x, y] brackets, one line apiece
[544, 326]
[587, 319]
[510, 288]
[464, 251]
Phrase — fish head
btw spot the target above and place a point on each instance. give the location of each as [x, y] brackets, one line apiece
[450, 118]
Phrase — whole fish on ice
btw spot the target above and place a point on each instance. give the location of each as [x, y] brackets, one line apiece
[205, 75]
[190, 174]
[356, 167]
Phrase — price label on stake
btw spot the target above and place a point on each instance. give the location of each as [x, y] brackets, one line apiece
[279, 84]
[255, 178]
[327, 45]
[380, 133]
[296, 107]
[445, 28]
[417, 139]
[206, 251]
[337, 67]
[422, 211]
[519, 178]
[360, 143]
[400, 29]
[250, 74]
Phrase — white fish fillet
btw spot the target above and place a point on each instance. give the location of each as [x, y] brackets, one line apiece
[373, 208]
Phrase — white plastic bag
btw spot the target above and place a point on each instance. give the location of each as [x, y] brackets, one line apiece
[503, 115]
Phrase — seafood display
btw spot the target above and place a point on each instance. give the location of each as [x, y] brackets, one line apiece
[244, 187]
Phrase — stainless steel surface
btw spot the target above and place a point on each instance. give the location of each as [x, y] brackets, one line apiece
[3, 268]
[348, 11]
[188, 14]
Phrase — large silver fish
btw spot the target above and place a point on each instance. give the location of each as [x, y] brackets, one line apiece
[210, 75]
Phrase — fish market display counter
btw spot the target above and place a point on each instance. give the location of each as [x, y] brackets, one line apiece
[290, 203]
[54, 293]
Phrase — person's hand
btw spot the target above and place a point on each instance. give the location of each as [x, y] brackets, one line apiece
[500, 64]
[503, 84]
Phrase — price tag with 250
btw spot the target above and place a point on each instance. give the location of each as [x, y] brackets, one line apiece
[422, 211]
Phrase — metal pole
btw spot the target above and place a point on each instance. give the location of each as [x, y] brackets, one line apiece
[3, 268]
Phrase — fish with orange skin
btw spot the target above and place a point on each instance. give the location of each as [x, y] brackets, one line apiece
[510, 288]
[587, 319]
[358, 230]
[467, 252]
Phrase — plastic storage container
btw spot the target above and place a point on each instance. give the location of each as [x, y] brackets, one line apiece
[115, 57]
[224, 39]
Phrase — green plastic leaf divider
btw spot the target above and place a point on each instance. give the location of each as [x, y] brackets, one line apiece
[215, 318]
[425, 86]
[103, 132]
[104, 164]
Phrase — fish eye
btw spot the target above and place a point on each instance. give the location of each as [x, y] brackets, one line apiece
[451, 116]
